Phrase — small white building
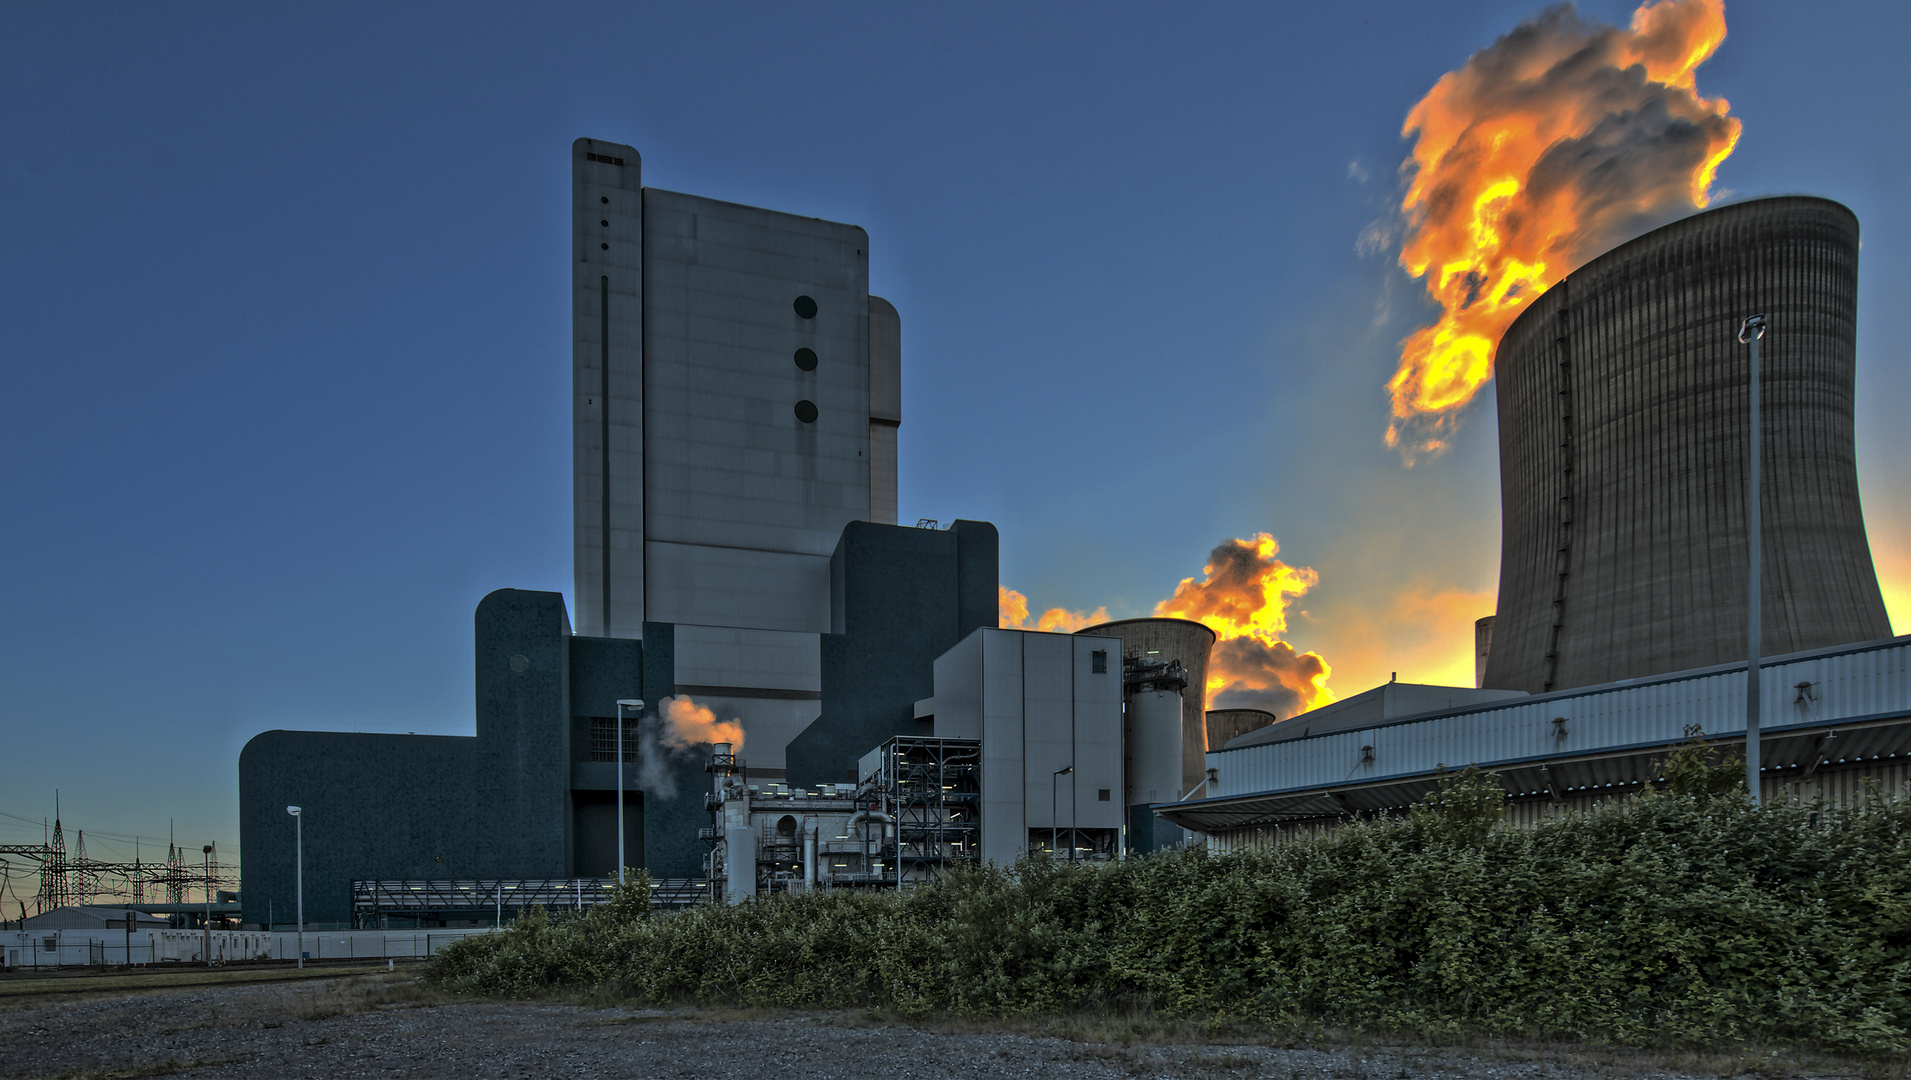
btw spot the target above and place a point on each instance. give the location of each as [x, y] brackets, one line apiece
[1047, 709]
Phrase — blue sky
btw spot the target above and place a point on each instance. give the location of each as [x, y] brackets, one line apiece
[284, 324]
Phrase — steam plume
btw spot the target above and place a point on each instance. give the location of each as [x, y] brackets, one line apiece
[1547, 148]
[675, 735]
[687, 725]
[1012, 608]
[1243, 597]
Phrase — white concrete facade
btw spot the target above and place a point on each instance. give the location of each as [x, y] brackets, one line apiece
[738, 394]
[1039, 705]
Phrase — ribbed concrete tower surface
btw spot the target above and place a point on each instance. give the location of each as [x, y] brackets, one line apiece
[1623, 436]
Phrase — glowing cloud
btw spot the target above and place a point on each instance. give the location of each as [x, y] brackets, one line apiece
[1243, 597]
[1012, 614]
[1547, 148]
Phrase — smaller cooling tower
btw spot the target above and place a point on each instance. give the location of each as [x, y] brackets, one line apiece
[1226, 724]
[1165, 640]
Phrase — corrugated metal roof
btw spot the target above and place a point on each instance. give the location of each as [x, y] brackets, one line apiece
[1837, 706]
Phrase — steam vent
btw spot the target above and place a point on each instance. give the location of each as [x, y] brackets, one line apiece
[1623, 440]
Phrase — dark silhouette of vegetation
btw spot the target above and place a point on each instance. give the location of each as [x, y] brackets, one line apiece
[1680, 917]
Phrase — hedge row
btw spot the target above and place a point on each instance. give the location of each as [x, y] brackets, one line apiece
[1680, 917]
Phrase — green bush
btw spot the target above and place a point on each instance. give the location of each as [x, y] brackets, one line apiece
[1683, 917]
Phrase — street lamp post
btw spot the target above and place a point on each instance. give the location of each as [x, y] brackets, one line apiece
[298, 817]
[1750, 333]
[636, 705]
[1055, 813]
[207, 851]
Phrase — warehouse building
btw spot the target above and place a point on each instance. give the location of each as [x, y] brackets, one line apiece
[1831, 719]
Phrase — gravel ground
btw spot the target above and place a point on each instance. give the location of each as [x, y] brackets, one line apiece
[392, 1027]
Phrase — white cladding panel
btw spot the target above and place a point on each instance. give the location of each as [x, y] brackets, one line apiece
[607, 376]
[1862, 683]
[736, 657]
[1048, 728]
[1004, 798]
[718, 586]
[1097, 737]
[958, 674]
[728, 461]
[1039, 707]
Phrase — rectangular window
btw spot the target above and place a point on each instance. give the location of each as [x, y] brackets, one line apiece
[606, 159]
[1101, 794]
[1100, 658]
[604, 738]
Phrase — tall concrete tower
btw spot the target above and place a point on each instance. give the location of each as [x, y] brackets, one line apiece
[1623, 438]
[737, 393]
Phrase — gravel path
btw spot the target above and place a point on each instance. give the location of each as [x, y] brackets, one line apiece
[380, 1027]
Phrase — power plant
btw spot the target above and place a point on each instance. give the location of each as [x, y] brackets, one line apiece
[771, 686]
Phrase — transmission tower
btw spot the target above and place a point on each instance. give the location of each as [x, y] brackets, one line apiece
[55, 890]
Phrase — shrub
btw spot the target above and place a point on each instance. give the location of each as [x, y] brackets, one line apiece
[1684, 917]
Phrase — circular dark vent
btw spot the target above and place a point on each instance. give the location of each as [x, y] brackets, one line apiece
[806, 307]
[806, 411]
[806, 359]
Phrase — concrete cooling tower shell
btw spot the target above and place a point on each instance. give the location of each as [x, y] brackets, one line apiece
[1226, 724]
[1623, 439]
[1188, 642]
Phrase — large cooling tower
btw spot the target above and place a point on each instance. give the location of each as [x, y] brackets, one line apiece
[1188, 642]
[1623, 438]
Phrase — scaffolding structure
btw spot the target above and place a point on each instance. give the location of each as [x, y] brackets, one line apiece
[933, 789]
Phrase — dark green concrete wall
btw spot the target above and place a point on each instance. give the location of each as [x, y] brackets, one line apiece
[673, 811]
[899, 598]
[497, 805]
[389, 806]
[524, 729]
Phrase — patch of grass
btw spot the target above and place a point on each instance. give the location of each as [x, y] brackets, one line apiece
[32, 990]
[618, 1021]
[352, 997]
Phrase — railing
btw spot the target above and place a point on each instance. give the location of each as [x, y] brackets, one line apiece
[410, 897]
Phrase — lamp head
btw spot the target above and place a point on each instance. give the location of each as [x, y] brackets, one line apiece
[631, 703]
[1753, 329]
[207, 849]
[294, 810]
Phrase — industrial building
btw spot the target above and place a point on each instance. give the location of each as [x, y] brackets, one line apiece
[1622, 626]
[737, 400]
[1832, 719]
[737, 395]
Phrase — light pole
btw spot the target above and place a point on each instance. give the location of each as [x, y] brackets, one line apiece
[207, 850]
[298, 818]
[1750, 333]
[636, 705]
[1055, 813]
